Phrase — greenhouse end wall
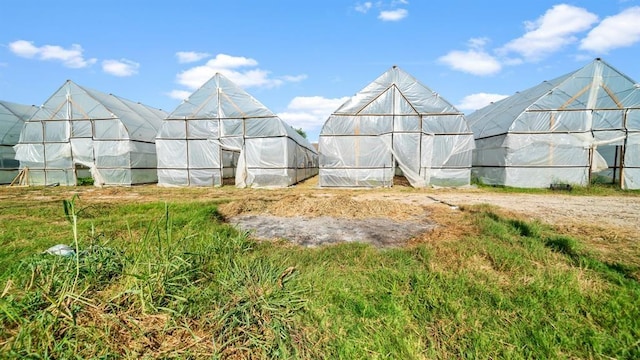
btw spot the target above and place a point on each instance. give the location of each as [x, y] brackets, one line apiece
[220, 134]
[395, 126]
[370, 161]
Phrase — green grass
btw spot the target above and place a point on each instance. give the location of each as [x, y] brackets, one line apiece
[594, 189]
[170, 280]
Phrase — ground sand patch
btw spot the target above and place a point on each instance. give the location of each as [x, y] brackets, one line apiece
[313, 221]
[325, 230]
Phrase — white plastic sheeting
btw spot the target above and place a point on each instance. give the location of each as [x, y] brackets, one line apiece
[81, 132]
[12, 118]
[395, 125]
[221, 134]
[579, 127]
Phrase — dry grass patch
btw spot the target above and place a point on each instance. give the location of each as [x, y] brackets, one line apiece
[609, 243]
[237, 207]
[338, 206]
[149, 335]
[451, 225]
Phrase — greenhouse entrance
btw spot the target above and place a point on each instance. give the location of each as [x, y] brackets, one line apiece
[229, 166]
[398, 177]
[83, 176]
[611, 173]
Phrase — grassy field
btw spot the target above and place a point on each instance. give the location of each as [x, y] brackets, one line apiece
[163, 276]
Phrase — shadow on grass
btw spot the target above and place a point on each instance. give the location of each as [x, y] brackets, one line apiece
[565, 245]
[570, 247]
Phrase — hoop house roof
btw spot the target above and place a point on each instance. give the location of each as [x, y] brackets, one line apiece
[221, 131]
[595, 86]
[12, 117]
[220, 98]
[395, 119]
[74, 102]
[396, 92]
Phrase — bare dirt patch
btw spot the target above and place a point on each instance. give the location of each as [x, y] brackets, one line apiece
[329, 219]
[325, 230]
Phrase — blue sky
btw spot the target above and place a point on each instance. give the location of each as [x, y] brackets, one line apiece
[302, 59]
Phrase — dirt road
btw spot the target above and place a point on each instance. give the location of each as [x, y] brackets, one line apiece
[620, 211]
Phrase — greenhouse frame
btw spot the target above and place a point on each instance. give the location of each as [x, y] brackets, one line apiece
[12, 118]
[79, 133]
[577, 129]
[222, 135]
[395, 126]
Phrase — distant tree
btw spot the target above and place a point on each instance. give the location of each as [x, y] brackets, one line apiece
[301, 132]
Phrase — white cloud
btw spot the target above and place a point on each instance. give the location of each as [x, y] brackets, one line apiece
[228, 61]
[71, 57]
[225, 64]
[240, 70]
[190, 56]
[552, 31]
[121, 68]
[179, 94]
[310, 112]
[24, 48]
[388, 10]
[393, 15]
[477, 101]
[613, 32]
[364, 7]
[194, 78]
[478, 43]
[294, 79]
[476, 62]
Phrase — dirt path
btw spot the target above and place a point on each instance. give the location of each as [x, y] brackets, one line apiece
[616, 211]
[607, 211]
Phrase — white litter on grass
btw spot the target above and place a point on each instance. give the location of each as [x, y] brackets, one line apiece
[61, 250]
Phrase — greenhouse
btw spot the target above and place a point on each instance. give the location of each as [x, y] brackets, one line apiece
[577, 129]
[81, 135]
[12, 118]
[395, 127]
[222, 135]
